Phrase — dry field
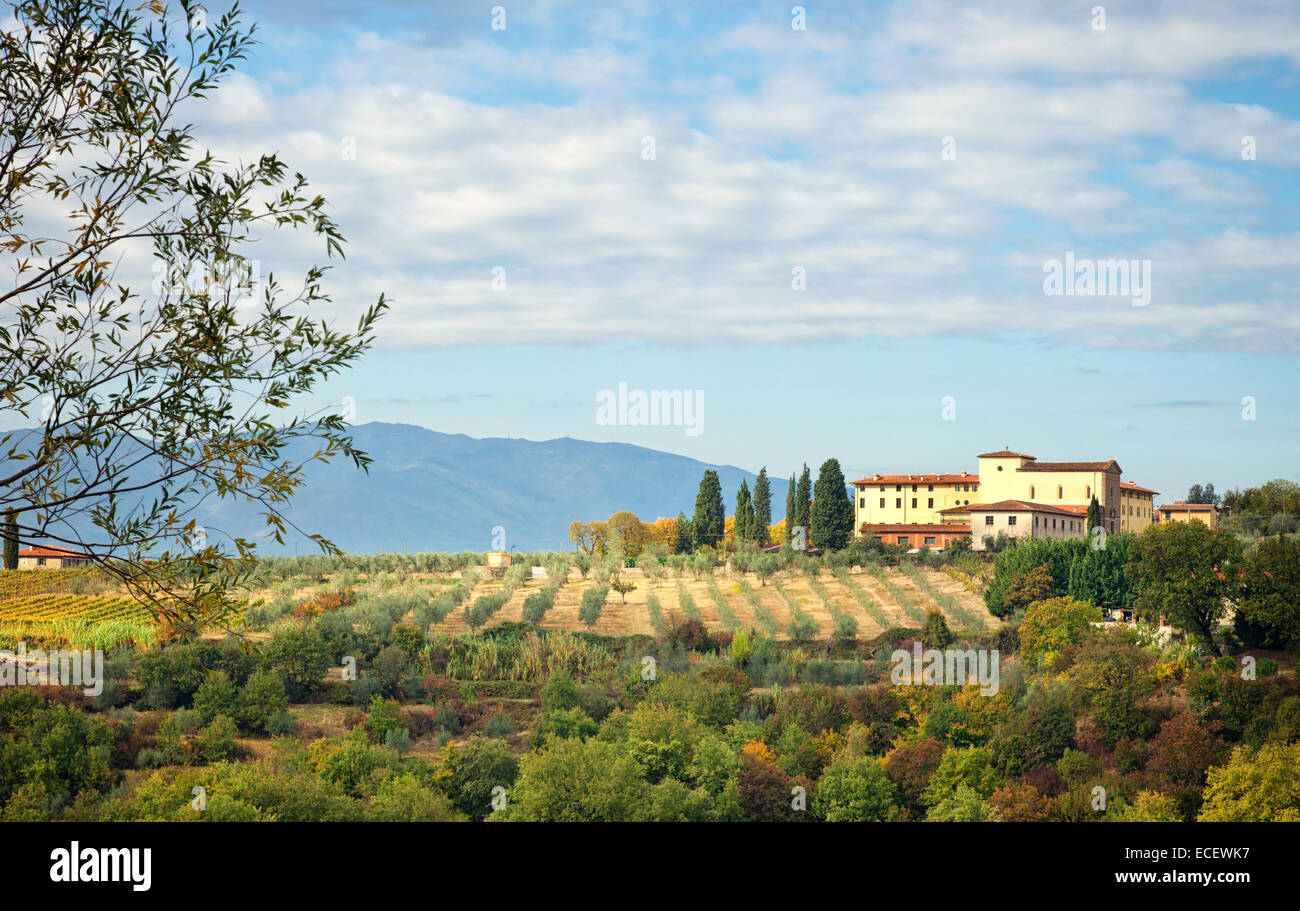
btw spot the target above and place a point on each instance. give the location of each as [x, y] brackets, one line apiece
[877, 600]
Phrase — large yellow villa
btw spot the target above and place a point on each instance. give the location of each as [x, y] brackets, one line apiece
[1012, 493]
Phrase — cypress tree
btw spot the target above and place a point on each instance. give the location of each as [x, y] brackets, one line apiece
[683, 544]
[710, 519]
[791, 509]
[832, 511]
[762, 506]
[744, 514]
[1094, 514]
[803, 500]
[11, 540]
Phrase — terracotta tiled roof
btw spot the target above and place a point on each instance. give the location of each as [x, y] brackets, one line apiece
[1133, 485]
[1004, 454]
[1109, 465]
[1020, 506]
[1182, 506]
[962, 478]
[916, 528]
[40, 551]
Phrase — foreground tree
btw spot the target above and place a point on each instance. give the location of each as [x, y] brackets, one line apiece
[150, 403]
[1268, 612]
[1256, 785]
[1186, 572]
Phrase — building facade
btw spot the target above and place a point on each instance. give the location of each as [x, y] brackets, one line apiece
[1021, 519]
[907, 499]
[1182, 511]
[935, 536]
[884, 503]
[1136, 507]
[51, 558]
[1007, 475]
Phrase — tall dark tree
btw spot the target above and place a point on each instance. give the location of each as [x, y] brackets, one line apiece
[803, 499]
[762, 505]
[683, 542]
[11, 540]
[744, 514]
[832, 510]
[1094, 514]
[710, 520]
[791, 507]
[1205, 495]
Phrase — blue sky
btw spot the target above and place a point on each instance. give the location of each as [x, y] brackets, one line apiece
[523, 151]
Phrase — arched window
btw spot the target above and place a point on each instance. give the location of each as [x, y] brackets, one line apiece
[1060, 492]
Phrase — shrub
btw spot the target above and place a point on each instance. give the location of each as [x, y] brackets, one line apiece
[593, 602]
[385, 715]
[935, 633]
[280, 724]
[499, 725]
[216, 742]
[216, 696]
[263, 696]
[398, 740]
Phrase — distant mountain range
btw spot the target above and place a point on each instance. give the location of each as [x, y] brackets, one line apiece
[436, 491]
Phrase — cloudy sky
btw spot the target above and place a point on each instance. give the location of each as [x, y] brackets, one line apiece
[836, 234]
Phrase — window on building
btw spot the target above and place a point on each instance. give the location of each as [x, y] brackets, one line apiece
[929, 487]
[862, 502]
[1087, 492]
[1060, 492]
[897, 488]
[880, 539]
[882, 502]
[882, 488]
[914, 502]
[898, 502]
[929, 539]
[902, 539]
[974, 487]
[1031, 491]
[913, 488]
[930, 502]
[1011, 520]
[40, 561]
[988, 520]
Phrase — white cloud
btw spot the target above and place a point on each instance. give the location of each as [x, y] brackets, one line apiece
[456, 173]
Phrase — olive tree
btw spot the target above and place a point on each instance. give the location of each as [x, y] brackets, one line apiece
[150, 397]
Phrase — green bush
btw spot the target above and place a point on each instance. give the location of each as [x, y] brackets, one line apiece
[218, 695]
[280, 724]
[216, 742]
